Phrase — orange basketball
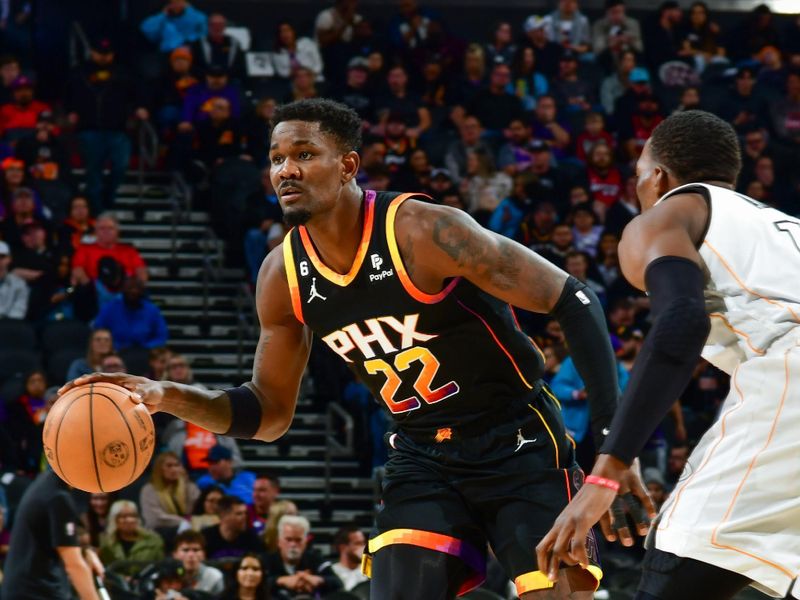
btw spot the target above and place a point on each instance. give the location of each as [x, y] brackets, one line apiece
[97, 438]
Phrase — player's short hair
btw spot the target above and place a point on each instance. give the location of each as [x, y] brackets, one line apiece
[337, 120]
[697, 146]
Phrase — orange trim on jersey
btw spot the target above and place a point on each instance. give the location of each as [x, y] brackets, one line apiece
[536, 580]
[747, 289]
[566, 481]
[366, 234]
[783, 570]
[549, 431]
[713, 449]
[394, 251]
[438, 542]
[497, 341]
[737, 332]
[291, 277]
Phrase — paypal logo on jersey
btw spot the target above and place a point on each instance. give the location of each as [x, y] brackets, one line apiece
[377, 262]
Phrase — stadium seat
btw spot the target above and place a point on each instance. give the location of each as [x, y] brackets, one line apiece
[17, 335]
[17, 362]
[61, 335]
[12, 388]
[136, 360]
[233, 180]
[56, 196]
[58, 364]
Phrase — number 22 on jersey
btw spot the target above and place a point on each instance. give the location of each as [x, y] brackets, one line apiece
[422, 385]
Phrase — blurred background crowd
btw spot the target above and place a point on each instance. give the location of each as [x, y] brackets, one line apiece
[530, 119]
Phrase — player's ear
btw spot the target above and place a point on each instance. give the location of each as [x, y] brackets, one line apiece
[661, 180]
[351, 161]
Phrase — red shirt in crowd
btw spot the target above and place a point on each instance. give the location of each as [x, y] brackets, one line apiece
[586, 140]
[605, 188]
[88, 255]
[14, 116]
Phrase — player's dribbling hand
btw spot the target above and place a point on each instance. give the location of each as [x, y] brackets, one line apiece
[144, 390]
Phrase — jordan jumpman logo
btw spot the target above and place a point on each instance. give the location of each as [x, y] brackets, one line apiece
[314, 292]
[521, 441]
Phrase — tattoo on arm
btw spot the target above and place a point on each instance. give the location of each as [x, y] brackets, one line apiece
[495, 260]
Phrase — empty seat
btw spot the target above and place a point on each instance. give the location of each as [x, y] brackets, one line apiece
[58, 364]
[55, 195]
[16, 335]
[136, 360]
[60, 335]
[17, 362]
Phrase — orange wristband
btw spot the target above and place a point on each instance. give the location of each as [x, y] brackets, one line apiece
[603, 482]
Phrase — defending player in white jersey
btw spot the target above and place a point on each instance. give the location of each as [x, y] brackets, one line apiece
[723, 275]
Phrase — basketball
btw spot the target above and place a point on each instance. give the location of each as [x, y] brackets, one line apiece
[97, 439]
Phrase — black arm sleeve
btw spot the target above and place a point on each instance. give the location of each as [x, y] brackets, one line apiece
[668, 357]
[581, 317]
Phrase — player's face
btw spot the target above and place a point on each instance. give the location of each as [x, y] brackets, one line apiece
[651, 181]
[306, 170]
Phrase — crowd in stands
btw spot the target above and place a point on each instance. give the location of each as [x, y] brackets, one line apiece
[534, 128]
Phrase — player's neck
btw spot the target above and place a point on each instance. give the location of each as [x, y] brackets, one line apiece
[337, 234]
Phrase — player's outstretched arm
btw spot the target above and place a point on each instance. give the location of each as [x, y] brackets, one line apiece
[264, 407]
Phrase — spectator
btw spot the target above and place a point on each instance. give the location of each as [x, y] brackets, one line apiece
[469, 82]
[356, 93]
[26, 417]
[23, 212]
[133, 320]
[335, 25]
[470, 133]
[417, 172]
[744, 106]
[690, 99]
[126, 539]
[656, 486]
[77, 228]
[528, 83]
[171, 91]
[261, 224]
[44, 546]
[95, 519]
[44, 152]
[100, 345]
[401, 102]
[410, 28]
[100, 99]
[493, 105]
[157, 361]
[636, 130]
[608, 258]
[484, 187]
[178, 24]
[578, 264]
[775, 192]
[594, 132]
[14, 292]
[757, 30]
[786, 112]
[259, 128]
[573, 94]
[551, 182]
[678, 457]
[501, 48]
[206, 513]
[219, 137]
[548, 53]
[277, 511]
[220, 49]
[773, 73]
[87, 257]
[37, 264]
[605, 180]
[179, 371]
[349, 542]
[585, 229]
[435, 91]
[547, 128]
[113, 363]
[638, 87]
[615, 34]
[266, 490]
[250, 580]
[14, 178]
[9, 71]
[537, 228]
[197, 103]
[19, 117]
[568, 26]
[190, 550]
[296, 570]
[514, 156]
[168, 498]
[625, 209]
[662, 37]
[700, 38]
[399, 145]
[193, 444]
[615, 85]
[221, 472]
[303, 85]
[292, 52]
[231, 537]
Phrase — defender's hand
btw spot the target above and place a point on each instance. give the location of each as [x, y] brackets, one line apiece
[144, 390]
[632, 500]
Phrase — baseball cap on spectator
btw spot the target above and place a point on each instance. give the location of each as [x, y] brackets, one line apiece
[653, 475]
[535, 22]
[46, 116]
[217, 453]
[4, 249]
[358, 62]
[12, 163]
[639, 75]
[23, 81]
[538, 146]
[181, 52]
[103, 45]
[216, 71]
[443, 173]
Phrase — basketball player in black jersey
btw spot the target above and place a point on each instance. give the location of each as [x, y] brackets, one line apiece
[416, 299]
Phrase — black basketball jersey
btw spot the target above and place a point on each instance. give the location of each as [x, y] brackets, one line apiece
[435, 360]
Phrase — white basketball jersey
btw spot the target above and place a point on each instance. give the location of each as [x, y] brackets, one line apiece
[752, 258]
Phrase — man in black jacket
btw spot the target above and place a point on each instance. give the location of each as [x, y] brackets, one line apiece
[100, 99]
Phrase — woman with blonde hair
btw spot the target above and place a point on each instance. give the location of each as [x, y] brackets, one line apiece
[100, 345]
[168, 498]
[126, 539]
[278, 509]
